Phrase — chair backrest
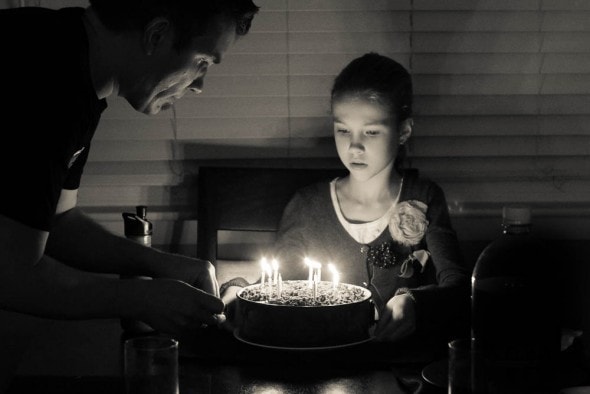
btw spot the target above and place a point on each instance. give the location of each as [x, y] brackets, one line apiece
[249, 199]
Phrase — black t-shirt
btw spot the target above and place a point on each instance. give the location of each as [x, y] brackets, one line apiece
[48, 110]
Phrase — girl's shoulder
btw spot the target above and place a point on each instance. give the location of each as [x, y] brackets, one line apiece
[417, 186]
[315, 192]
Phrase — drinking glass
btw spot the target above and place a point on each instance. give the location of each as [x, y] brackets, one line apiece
[151, 365]
[464, 359]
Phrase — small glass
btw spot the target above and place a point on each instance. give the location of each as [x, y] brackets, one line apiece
[151, 365]
[464, 364]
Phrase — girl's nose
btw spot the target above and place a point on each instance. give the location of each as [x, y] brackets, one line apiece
[356, 146]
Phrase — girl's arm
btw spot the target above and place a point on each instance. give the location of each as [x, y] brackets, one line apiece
[442, 308]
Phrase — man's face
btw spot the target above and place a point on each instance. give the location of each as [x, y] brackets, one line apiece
[167, 73]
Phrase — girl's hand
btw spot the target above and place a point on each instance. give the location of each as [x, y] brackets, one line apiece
[398, 319]
[568, 337]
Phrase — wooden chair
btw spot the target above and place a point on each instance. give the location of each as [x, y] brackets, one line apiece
[239, 209]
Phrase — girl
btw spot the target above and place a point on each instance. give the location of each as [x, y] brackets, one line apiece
[381, 226]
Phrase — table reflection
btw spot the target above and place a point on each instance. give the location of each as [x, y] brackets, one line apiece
[218, 363]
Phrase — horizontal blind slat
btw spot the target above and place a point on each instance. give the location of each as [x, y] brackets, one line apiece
[480, 5]
[470, 42]
[349, 5]
[349, 21]
[466, 21]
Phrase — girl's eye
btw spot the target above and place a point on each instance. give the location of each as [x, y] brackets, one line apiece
[342, 131]
[372, 132]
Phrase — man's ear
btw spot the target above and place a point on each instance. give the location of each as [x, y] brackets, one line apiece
[405, 130]
[154, 33]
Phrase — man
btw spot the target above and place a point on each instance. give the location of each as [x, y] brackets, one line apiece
[58, 68]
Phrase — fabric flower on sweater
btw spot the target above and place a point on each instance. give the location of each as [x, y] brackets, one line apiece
[407, 268]
[408, 222]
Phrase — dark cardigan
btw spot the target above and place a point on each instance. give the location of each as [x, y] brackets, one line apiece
[309, 227]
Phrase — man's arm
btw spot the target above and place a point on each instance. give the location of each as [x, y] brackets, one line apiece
[37, 284]
[80, 242]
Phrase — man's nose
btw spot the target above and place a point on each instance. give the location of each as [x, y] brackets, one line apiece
[197, 85]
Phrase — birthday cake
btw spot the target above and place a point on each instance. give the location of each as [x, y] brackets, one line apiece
[303, 316]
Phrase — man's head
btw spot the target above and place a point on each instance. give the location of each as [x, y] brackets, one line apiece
[175, 42]
[190, 18]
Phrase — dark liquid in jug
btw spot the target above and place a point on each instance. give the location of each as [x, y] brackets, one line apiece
[514, 311]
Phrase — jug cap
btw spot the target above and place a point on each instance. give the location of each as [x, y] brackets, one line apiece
[516, 215]
[141, 211]
[137, 224]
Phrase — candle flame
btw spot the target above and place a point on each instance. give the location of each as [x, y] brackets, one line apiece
[335, 275]
[265, 266]
[312, 263]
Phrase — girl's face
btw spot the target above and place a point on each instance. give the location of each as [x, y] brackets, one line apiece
[366, 136]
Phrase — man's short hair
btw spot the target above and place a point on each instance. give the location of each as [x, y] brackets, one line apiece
[190, 18]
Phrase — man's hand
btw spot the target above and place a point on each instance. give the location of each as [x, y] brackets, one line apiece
[230, 299]
[174, 307]
[398, 319]
[204, 277]
[195, 272]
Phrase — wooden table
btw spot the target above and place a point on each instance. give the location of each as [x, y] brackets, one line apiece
[215, 362]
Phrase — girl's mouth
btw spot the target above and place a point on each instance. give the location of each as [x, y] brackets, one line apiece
[358, 165]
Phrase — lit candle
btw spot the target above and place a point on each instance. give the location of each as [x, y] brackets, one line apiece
[309, 263]
[275, 271]
[262, 268]
[280, 287]
[315, 268]
[335, 275]
[266, 272]
[315, 286]
[269, 276]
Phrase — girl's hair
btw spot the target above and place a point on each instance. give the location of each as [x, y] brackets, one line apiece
[190, 18]
[380, 79]
[377, 78]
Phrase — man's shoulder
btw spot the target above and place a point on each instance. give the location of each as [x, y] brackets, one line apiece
[45, 47]
[37, 17]
[40, 35]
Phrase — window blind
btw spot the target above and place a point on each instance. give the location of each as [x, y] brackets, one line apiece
[502, 109]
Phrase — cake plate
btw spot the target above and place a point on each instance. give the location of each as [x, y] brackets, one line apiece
[299, 349]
